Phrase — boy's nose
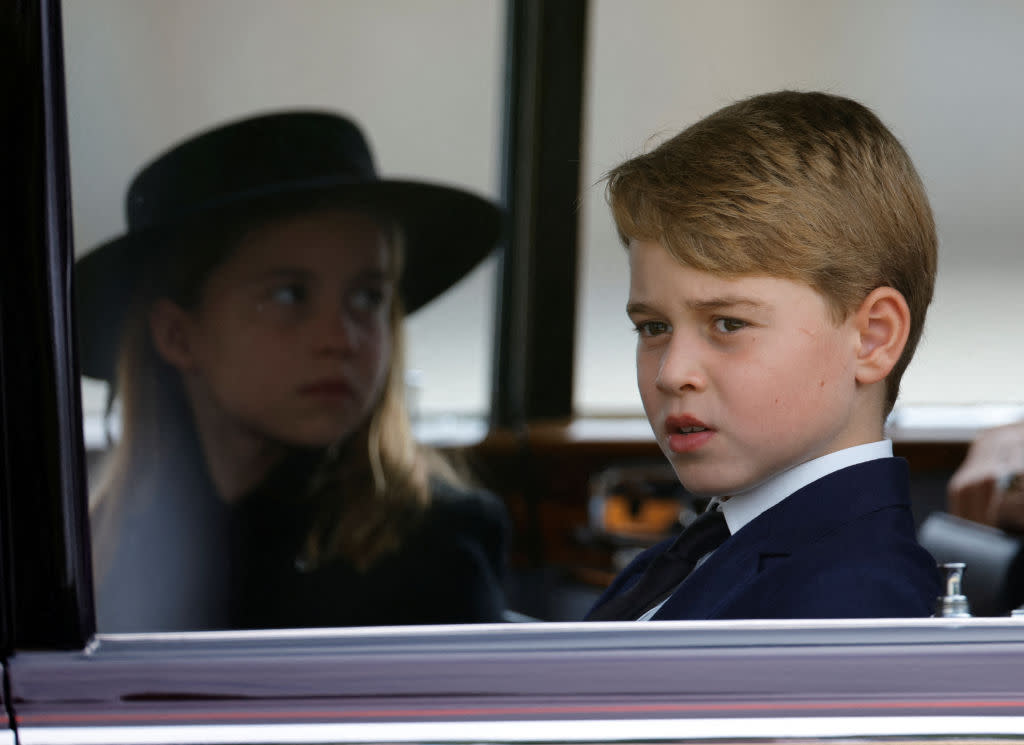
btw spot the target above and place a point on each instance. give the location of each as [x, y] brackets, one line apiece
[680, 370]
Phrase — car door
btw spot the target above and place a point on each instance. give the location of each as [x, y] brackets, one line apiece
[664, 682]
[6, 733]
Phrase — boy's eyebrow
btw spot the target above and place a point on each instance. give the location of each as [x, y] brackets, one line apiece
[632, 308]
[705, 305]
[724, 301]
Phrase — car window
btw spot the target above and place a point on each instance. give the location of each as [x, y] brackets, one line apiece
[426, 86]
[421, 87]
[691, 66]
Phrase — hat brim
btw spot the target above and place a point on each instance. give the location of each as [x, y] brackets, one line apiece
[447, 232]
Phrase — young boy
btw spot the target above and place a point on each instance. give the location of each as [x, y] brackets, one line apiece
[782, 257]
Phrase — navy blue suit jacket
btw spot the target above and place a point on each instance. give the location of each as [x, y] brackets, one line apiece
[843, 546]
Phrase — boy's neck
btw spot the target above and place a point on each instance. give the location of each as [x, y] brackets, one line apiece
[740, 509]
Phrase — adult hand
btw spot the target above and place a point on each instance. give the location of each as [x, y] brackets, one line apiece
[988, 487]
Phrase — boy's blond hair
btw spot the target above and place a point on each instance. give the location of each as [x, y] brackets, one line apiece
[809, 187]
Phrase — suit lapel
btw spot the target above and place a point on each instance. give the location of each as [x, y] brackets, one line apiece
[806, 516]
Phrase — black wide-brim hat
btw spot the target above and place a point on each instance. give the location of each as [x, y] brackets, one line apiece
[259, 161]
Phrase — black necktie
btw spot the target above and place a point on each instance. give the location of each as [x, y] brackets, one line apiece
[703, 535]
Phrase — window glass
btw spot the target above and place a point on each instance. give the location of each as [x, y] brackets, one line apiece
[943, 77]
[423, 82]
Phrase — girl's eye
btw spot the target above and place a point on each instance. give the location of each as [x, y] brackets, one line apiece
[290, 294]
[651, 328]
[368, 299]
[729, 325]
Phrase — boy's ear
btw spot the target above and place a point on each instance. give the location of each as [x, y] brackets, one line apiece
[883, 324]
[169, 326]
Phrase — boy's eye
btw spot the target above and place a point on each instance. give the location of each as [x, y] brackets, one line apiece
[729, 325]
[651, 328]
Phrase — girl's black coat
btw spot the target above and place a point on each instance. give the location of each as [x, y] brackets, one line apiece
[186, 561]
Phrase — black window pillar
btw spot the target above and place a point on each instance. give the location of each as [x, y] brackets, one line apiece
[541, 163]
[48, 595]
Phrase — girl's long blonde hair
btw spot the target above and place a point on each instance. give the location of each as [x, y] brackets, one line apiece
[367, 492]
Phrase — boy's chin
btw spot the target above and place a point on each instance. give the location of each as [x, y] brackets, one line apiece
[709, 485]
[703, 489]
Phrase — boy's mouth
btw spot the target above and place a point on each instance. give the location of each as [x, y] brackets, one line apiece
[686, 433]
[684, 424]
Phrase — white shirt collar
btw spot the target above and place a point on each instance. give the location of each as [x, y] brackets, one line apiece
[740, 509]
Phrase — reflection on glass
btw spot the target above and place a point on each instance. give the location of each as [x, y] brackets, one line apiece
[695, 57]
[249, 324]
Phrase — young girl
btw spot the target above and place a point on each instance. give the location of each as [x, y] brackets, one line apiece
[265, 474]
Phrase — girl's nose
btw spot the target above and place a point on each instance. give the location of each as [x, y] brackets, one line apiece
[335, 332]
